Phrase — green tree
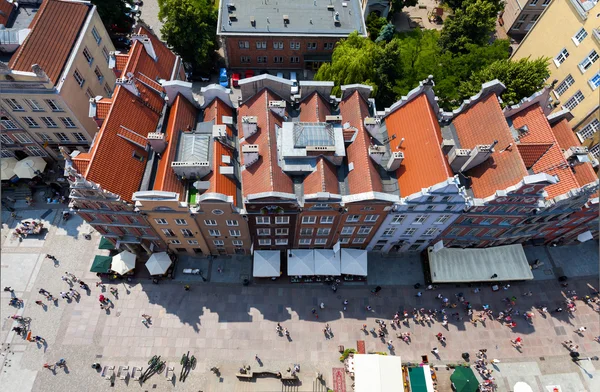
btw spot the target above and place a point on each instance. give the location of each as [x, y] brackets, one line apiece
[389, 70]
[190, 29]
[472, 24]
[387, 33]
[374, 24]
[522, 78]
[112, 13]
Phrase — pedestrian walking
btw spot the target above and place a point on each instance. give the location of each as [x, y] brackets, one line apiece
[39, 303]
[9, 289]
[38, 339]
[61, 363]
[435, 351]
[66, 279]
[287, 333]
[581, 330]
[83, 286]
[114, 291]
[71, 276]
[74, 293]
[186, 287]
[256, 358]
[101, 285]
[65, 295]
[48, 256]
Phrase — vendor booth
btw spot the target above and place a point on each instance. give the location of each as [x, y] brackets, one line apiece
[101, 264]
[123, 263]
[159, 263]
[354, 262]
[377, 373]
[420, 379]
[301, 262]
[327, 262]
[267, 264]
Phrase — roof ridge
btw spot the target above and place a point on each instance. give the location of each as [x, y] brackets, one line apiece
[268, 130]
[31, 26]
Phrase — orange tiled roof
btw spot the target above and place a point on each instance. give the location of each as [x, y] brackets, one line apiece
[182, 116]
[364, 177]
[532, 152]
[121, 61]
[81, 162]
[102, 107]
[220, 183]
[539, 130]
[265, 175]
[145, 65]
[424, 163]
[54, 30]
[314, 108]
[6, 9]
[483, 123]
[323, 179]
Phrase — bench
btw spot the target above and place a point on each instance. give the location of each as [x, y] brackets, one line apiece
[123, 372]
[170, 373]
[246, 376]
[107, 372]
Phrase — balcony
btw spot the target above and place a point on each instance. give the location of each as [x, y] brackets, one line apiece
[596, 34]
[581, 8]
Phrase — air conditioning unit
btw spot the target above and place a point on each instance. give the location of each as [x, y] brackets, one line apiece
[219, 131]
[249, 125]
[319, 148]
[337, 118]
[395, 161]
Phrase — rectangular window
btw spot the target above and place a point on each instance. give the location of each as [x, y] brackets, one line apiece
[523, 17]
[160, 221]
[367, 209]
[263, 220]
[320, 241]
[214, 233]
[237, 242]
[409, 231]
[231, 223]
[574, 100]
[62, 137]
[261, 44]
[282, 220]
[371, 218]
[53, 105]
[210, 222]
[323, 231]
[304, 241]
[44, 137]
[30, 122]
[263, 232]
[588, 61]
[430, 232]
[80, 137]
[420, 219]
[88, 56]
[281, 241]
[294, 59]
[364, 230]
[487, 221]
[96, 35]
[517, 26]
[168, 232]
[107, 90]
[235, 233]
[561, 57]
[278, 45]
[590, 129]
[245, 59]
[285, 231]
[579, 36]
[36, 151]
[546, 2]
[98, 74]
[192, 242]
[78, 78]
[6, 139]
[564, 85]
[8, 124]
[306, 232]
[353, 218]
[398, 219]
[174, 242]
[6, 153]
[278, 59]
[309, 220]
[14, 105]
[347, 230]
[244, 44]
[219, 242]
[34, 105]
[181, 222]
[187, 233]
[594, 81]
[329, 45]
[22, 137]
[312, 45]
[261, 59]
[89, 93]
[358, 241]
[345, 240]
[68, 122]
[327, 219]
[294, 45]
[264, 241]
[49, 122]
[595, 151]
[389, 232]
[533, 3]
[441, 219]
[105, 53]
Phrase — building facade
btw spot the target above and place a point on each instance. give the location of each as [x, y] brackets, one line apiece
[46, 84]
[519, 16]
[568, 32]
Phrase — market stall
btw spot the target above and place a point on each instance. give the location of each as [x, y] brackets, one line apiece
[8, 166]
[267, 263]
[377, 373]
[327, 262]
[159, 263]
[123, 263]
[354, 262]
[301, 262]
[101, 264]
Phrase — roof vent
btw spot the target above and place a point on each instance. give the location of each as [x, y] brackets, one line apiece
[372, 124]
[336, 118]
[577, 155]
[286, 19]
[249, 125]
[252, 21]
[395, 161]
[376, 152]
[330, 7]
[232, 17]
[336, 18]
[250, 153]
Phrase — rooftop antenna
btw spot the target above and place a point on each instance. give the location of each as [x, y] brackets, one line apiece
[400, 144]
[506, 148]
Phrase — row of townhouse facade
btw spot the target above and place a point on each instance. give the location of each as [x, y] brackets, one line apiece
[315, 171]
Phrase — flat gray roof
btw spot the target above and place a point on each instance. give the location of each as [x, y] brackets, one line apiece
[306, 17]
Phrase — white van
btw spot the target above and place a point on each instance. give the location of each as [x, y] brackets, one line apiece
[294, 80]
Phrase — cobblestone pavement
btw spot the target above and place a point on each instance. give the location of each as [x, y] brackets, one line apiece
[226, 325]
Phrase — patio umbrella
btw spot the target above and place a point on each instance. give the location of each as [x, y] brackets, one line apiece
[101, 264]
[158, 263]
[123, 262]
[463, 380]
[30, 167]
[105, 244]
[8, 168]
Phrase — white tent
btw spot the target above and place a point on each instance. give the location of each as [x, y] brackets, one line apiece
[327, 262]
[8, 167]
[30, 167]
[377, 373]
[158, 263]
[267, 263]
[123, 263]
[301, 262]
[354, 262]
[581, 237]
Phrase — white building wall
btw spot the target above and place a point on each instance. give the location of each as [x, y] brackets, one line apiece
[441, 204]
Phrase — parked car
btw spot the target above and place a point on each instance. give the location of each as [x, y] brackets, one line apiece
[235, 78]
[133, 9]
[249, 74]
[121, 42]
[294, 81]
[196, 76]
[223, 79]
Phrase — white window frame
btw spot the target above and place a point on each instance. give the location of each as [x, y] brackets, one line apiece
[78, 78]
[561, 57]
[575, 100]
[80, 137]
[589, 130]
[588, 61]
[278, 45]
[4, 153]
[98, 74]
[105, 53]
[168, 233]
[594, 81]
[359, 240]
[261, 44]
[295, 59]
[294, 45]
[564, 85]
[263, 231]
[281, 241]
[67, 122]
[398, 219]
[96, 35]
[9, 124]
[320, 241]
[409, 232]
[327, 219]
[353, 218]
[14, 105]
[244, 44]
[210, 222]
[389, 232]
[192, 242]
[232, 223]
[245, 59]
[277, 59]
[187, 233]
[441, 219]
[323, 231]
[160, 221]
[264, 241]
[62, 137]
[420, 219]
[282, 231]
[262, 59]
[180, 222]
[329, 45]
[23, 138]
[371, 218]
[36, 151]
[579, 36]
[49, 122]
[6, 139]
[345, 240]
[311, 46]
[364, 230]
[304, 241]
[348, 230]
[430, 232]
[219, 242]
[235, 233]
[88, 56]
[30, 121]
[237, 243]
[282, 220]
[174, 242]
[309, 220]
[53, 105]
[107, 90]
[214, 233]
[34, 105]
[595, 151]
[263, 220]
[306, 231]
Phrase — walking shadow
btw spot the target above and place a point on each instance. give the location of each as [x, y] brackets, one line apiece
[289, 338]
[260, 362]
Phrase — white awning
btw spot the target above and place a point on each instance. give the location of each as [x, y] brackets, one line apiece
[327, 262]
[301, 262]
[29, 167]
[8, 168]
[497, 264]
[267, 263]
[158, 263]
[377, 373]
[354, 262]
[586, 236]
[123, 263]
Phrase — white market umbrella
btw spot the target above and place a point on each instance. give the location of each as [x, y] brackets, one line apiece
[522, 387]
[354, 262]
[8, 168]
[267, 263]
[30, 167]
[327, 262]
[158, 263]
[301, 262]
[123, 263]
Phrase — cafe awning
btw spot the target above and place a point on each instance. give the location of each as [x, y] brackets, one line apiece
[159, 263]
[105, 244]
[101, 264]
[29, 167]
[377, 373]
[354, 262]
[301, 262]
[420, 379]
[267, 263]
[8, 166]
[463, 380]
[327, 262]
[497, 264]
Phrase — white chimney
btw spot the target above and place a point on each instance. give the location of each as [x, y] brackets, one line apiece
[129, 84]
[249, 125]
[157, 141]
[395, 161]
[147, 44]
[376, 153]
[92, 112]
[371, 125]
[277, 107]
[251, 154]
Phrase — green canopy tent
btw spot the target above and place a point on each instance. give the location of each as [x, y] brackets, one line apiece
[105, 244]
[101, 264]
[463, 380]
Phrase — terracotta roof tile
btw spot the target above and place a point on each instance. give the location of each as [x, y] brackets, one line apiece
[162, 68]
[81, 162]
[314, 108]
[584, 174]
[364, 177]
[323, 179]
[54, 31]
[265, 175]
[6, 9]
[554, 163]
[102, 107]
[566, 138]
[539, 130]
[181, 116]
[121, 61]
[531, 153]
[483, 123]
[424, 163]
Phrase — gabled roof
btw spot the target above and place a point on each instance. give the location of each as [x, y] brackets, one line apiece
[532, 152]
[584, 173]
[145, 65]
[54, 31]
[181, 117]
[424, 163]
[265, 175]
[323, 179]
[6, 8]
[102, 107]
[220, 183]
[483, 123]
[364, 177]
[314, 108]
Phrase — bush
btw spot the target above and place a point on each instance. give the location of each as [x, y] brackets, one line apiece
[345, 354]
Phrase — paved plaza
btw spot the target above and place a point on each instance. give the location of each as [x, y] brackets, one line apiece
[225, 324]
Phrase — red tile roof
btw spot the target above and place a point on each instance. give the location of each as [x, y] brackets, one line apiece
[364, 177]
[566, 138]
[265, 175]
[323, 179]
[539, 130]
[483, 123]
[314, 108]
[554, 163]
[531, 153]
[81, 162]
[181, 116]
[424, 163]
[54, 31]
[121, 61]
[154, 70]
[6, 9]
[102, 107]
